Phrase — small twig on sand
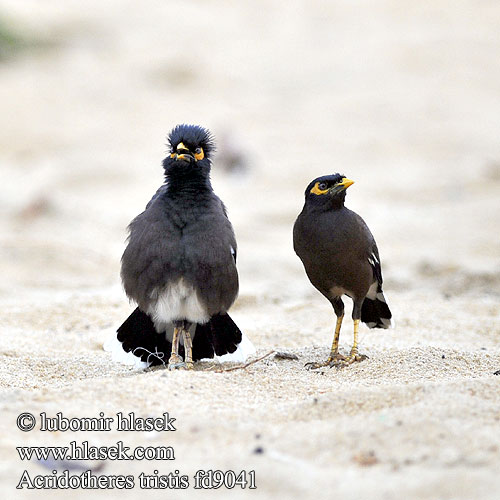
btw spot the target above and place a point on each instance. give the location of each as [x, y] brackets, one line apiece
[285, 355]
[242, 367]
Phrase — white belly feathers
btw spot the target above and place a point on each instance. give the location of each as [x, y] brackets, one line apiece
[177, 301]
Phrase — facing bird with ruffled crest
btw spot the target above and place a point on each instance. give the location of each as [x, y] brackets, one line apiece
[179, 266]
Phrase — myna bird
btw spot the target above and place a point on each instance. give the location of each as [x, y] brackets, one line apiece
[180, 265]
[340, 257]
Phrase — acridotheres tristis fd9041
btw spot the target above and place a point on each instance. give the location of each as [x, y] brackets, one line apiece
[180, 264]
[340, 257]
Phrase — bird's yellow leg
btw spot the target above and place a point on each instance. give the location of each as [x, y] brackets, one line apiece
[355, 356]
[334, 351]
[188, 349]
[175, 361]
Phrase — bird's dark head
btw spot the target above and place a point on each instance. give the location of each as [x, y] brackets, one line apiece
[328, 191]
[190, 151]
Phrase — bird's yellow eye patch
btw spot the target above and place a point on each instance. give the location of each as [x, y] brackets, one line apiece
[316, 189]
[199, 154]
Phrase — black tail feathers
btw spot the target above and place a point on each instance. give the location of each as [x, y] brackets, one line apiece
[217, 337]
[138, 335]
[375, 312]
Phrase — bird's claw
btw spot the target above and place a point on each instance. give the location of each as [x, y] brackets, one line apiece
[313, 365]
[176, 363]
[177, 366]
[337, 361]
[332, 361]
[353, 358]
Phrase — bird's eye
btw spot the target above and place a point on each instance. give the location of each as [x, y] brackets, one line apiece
[320, 188]
[199, 154]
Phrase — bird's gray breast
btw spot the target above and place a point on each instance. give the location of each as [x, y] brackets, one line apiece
[209, 246]
[333, 248]
[182, 270]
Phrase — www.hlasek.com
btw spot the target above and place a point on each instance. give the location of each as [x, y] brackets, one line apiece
[63, 459]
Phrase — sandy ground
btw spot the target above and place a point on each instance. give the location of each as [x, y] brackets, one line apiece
[403, 97]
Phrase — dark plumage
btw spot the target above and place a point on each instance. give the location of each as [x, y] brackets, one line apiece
[340, 257]
[180, 263]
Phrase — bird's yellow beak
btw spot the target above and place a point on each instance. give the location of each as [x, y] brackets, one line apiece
[345, 183]
[181, 152]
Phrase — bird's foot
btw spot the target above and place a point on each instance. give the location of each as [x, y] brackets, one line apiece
[337, 360]
[352, 358]
[176, 363]
[177, 366]
[189, 365]
[334, 360]
[313, 365]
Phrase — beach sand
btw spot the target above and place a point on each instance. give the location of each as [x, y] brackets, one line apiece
[402, 97]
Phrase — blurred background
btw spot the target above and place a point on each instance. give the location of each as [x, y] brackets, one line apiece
[402, 97]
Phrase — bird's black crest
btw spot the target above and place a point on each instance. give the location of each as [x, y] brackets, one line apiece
[192, 136]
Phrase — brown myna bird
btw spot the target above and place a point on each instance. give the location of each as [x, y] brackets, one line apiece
[179, 266]
[340, 257]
